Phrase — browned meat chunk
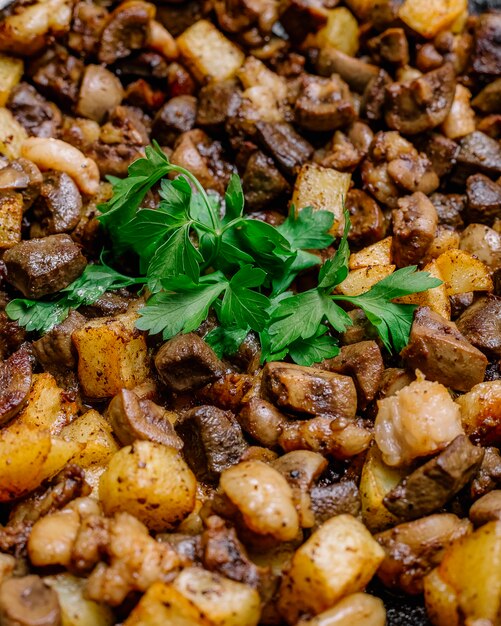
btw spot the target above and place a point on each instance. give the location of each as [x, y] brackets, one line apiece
[308, 390]
[58, 77]
[432, 485]
[413, 549]
[213, 441]
[88, 23]
[489, 99]
[133, 417]
[323, 104]
[328, 500]
[217, 102]
[367, 220]
[262, 421]
[125, 30]
[11, 336]
[440, 351]
[481, 325]
[390, 46]
[414, 226]
[39, 117]
[38, 267]
[186, 363]
[355, 72]
[110, 303]
[175, 117]
[241, 15]
[302, 17]
[441, 151]
[227, 392]
[450, 208]
[487, 51]
[284, 144]
[488, 476]
[58, 207]
[28, 601]
[141, 94]
[15, 384]
[23, 176]
[483, 199]
[421, 104]
[487, 508]
[55, 350]
[262, 182]
[342, 155]
[362, 361]
[478, 153]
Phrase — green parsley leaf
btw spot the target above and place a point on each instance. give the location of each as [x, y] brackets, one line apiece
[37, 316]
[335, 270]
[241, 305]
[226, 341]
[234, 200]
[307, 229]
[315, 349]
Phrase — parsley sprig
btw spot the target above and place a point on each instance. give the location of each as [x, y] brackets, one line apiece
[198, 255]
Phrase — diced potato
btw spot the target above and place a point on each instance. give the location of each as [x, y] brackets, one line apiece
[23, 451]
[361, 280]
[92, 478]
[339, 558]
[466, 587]
[112, 354]
[429, 17]
[376, 481]
[436, 298]
[76, 610]
[445, 239]
[163, 604]
[340, 32]
[11, 70]
[377, 254]
[254, 73]
[11, 219]
[259, 104]
[463, 273]
[151, 482]
[12, 134]
[52, 538]
[481, 412]
[208, 53]
[223, 601]
[94, 432]
[47, 405]
[358, 609]
[324, 189]
[61, 453]
[460, 120]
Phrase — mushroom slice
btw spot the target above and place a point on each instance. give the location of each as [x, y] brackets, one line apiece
[15, 384]
[28, 601]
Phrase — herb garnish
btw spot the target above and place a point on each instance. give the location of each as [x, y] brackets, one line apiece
[195, 258]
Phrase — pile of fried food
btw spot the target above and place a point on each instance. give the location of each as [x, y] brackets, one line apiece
[148, 483]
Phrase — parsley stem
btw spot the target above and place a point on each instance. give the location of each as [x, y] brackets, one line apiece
[213, 217]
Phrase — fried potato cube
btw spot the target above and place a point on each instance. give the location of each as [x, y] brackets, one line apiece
[112, 354]
[223, 601]
[94, 432]
[340, 32]
[61, 453]
[47, 405]
[12, 134]
[76, 610]
[481, 412]
[466, 587]
[151, 482]
[463, 273]
[162, 604]
[361, 280]
[208, 53]
[429, 17]
[11, 219]
[376, 254]
[324, 189]
[339, 558]
[11, 70]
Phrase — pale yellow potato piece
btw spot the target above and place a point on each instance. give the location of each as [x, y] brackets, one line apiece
[11, 219]
[460, 120]
[11, 70]
[47, 405]
[208, 53]
[151, 482]
[481, 412]
[23, 451]
[92, 477]
[52, 538]
[322, 188]
[463, 273]
[254, 73]
[12, 135]
[445, 239]
[339, 558]
[94, 433]
[361, 280]
[429, 17]
[61, 453]
[377, 479]
[359, 609]
[76, 610]
[161, 605]
[466, 586]
[340, 32]
[437, 298]
[376, 254]
[223, 601]
[112, 354]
